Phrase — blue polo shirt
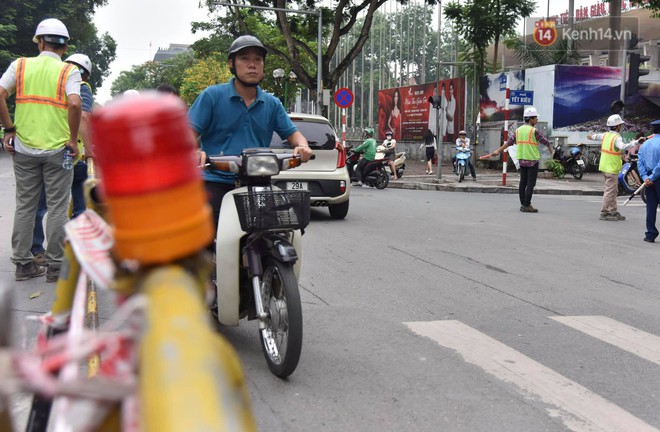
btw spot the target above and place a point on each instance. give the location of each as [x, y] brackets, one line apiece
[225, 125]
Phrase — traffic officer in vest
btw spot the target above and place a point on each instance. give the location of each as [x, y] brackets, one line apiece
[44, 130]
[610, 164]
[649, 169]
[527, 138]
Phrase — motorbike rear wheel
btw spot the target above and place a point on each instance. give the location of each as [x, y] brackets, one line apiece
[281, 340]
[383, 180]
[461, 172]
[577, 170]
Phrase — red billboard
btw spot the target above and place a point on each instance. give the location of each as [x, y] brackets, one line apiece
[406, 111]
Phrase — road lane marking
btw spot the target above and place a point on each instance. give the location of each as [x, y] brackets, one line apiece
[623, 336]
[577, 407]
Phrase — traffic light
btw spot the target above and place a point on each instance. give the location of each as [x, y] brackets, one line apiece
[436, 101]
[635, 72]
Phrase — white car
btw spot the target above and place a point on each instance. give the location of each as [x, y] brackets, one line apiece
[325, 176]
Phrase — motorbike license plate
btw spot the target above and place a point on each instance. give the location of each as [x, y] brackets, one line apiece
[296, 185]
[580, 162]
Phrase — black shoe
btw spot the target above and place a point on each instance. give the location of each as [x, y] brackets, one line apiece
[528, 209]
[52, 275]
[648, 240]
[28, 271]
[40, 259]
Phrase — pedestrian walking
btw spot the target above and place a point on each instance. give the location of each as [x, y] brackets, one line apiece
[527, 139]
[43, 133]
[648, 165]
[611, 149]
[430, 150]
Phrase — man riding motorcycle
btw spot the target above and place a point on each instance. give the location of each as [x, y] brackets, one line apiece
[368, 150]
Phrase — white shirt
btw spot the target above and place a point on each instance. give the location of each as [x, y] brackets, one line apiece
[618, 142]
[467, 143]
[8, 82]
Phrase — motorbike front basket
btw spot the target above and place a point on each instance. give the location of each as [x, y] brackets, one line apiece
[273, 210]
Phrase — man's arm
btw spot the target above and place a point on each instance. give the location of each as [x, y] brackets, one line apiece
[74, 119]
[6, 120]
[300, 145]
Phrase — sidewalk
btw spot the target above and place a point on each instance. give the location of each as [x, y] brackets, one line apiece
[490, 181]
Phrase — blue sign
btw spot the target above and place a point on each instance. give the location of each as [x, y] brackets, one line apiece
[521, 97]
[502, 82]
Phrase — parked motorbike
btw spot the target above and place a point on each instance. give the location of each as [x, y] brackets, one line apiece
[573, 164]
[399, 160]
[462, 161]
[375, 172]
[629, 178]
[258, 247]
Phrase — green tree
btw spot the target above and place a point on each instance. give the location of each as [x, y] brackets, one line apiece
[145, 76]
[533, 55]
[19, 20]
[485, 22]
[293, 37]
[204, 73]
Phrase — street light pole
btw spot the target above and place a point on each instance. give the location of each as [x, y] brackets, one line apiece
[319, 54]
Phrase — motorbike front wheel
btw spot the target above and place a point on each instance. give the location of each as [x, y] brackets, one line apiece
[461, 172]
[382, 180]
[281, 340]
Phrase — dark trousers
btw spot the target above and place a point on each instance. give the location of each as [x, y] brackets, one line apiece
[652, 201]
[77, 191]
[359, 169]
[38, 236]
[527, 183]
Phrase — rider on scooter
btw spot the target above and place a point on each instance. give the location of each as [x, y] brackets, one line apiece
[390, 146]
[463, 143]
[229, 117]
[368, 150]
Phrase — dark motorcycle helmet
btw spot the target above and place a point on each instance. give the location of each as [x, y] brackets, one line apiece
[240, 43]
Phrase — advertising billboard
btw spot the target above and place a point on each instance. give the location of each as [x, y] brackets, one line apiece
[406, 111]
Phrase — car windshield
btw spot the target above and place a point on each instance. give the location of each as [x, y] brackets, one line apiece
[320, 136]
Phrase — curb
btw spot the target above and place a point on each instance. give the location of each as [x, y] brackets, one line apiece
[452, 187]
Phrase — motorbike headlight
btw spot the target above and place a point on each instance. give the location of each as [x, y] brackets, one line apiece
[262, 165]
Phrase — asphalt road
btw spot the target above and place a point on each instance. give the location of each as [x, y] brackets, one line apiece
[439, 311]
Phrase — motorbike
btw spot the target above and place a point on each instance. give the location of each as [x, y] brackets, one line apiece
[573, 164]
[375, 172]
[258, 250]
[462, 161]
[629, 178]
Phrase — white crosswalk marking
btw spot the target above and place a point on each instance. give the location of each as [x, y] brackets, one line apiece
[578, 408]
[638, 342]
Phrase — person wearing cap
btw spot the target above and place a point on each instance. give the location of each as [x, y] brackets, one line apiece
[45, 129]
[463, 142]
[390, 146]
[648, 166]
[611, 148]
[527, 138]
[226, 118]
[368, 150]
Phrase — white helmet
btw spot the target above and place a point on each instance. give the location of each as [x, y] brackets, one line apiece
[52, 30]
[614, 120]
[81, 60]
[131, 93]
[530, 112]
[462, 132]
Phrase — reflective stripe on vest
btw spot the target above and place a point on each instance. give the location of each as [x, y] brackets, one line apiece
[528, 147]
[610, 155]
[41, 115]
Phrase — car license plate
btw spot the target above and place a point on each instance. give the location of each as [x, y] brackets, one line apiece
[296, 185]
[580, 162]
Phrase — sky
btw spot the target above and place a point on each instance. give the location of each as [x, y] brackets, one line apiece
[141, 27]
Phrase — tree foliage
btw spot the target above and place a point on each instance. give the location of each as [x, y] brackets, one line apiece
[292, 37]
[652, 5]
[205, 72]
[485, 22]
[19, 20]
[531, 54]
